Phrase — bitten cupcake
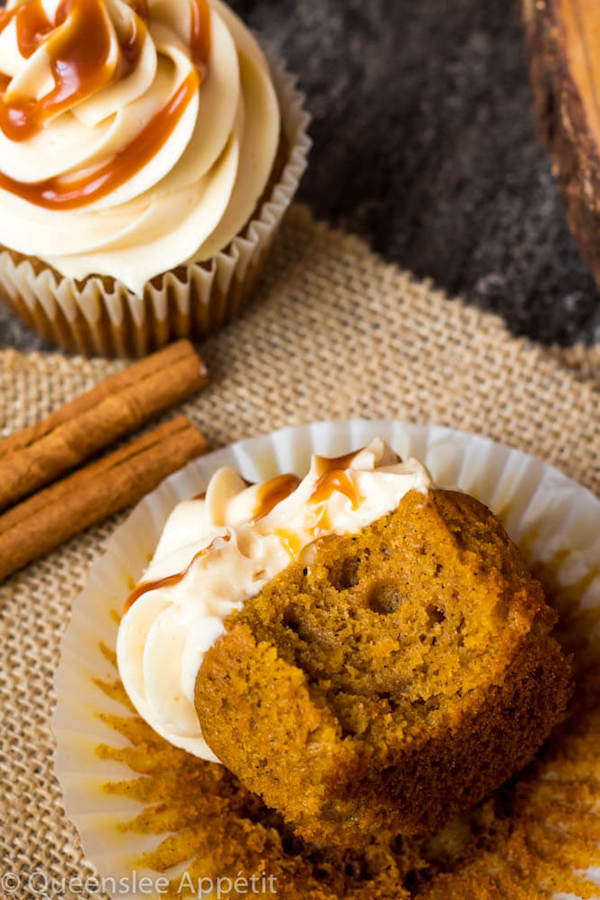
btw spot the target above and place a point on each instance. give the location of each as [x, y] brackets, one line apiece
[159, 807]
[362, 649]
[148, 154]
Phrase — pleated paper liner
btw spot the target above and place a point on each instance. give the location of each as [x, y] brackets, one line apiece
[100, 316]
[144, 807]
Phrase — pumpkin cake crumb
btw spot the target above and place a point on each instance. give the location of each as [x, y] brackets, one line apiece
[537, 834]
[399, 675]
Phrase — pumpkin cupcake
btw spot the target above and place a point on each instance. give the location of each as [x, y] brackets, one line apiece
[360, 648]
[238, 654]
[148, 153]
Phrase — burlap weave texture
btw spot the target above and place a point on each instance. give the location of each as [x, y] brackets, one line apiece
[333, 333]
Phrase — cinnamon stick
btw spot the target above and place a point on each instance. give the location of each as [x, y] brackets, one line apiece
[116, 407]
[52, 516]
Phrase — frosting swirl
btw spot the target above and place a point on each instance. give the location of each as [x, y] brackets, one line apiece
[134, 136]
[219, 550]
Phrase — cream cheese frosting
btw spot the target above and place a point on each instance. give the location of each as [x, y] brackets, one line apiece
[218, 550]
[151, 155]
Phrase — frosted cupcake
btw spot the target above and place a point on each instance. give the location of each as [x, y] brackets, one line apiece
[139, 802]
[361, 649]
[148, 154]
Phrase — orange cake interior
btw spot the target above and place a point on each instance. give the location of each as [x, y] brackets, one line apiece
[387, 678]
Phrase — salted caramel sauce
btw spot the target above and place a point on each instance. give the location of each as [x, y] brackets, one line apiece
[167, 581]
[334, 477]
[200, 34]
[170, 580]
[141, 8]
[78, 56]
[78, 47]
[132, 45]
[57, 194]
[326, 464]
[290, 541]
[32, 26]
[329, 463]
[335, 480]
[273, 492]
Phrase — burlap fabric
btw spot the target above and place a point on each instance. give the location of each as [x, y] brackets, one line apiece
[333, 332]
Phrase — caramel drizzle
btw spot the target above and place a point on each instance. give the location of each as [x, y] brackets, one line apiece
[32, 26]
[270, 493]
[57, 194]
[335, 480]
[331, 481]
[78, 58]
[141, 9]
[176, 578]
[273, 492]
[290, 542]
[78, 48]
[200, 35]
[330, 463]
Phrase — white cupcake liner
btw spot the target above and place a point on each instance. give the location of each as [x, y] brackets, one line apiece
[100, 316]
[547, 514]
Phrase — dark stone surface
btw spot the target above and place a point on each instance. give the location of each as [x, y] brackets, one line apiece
[425, 145]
